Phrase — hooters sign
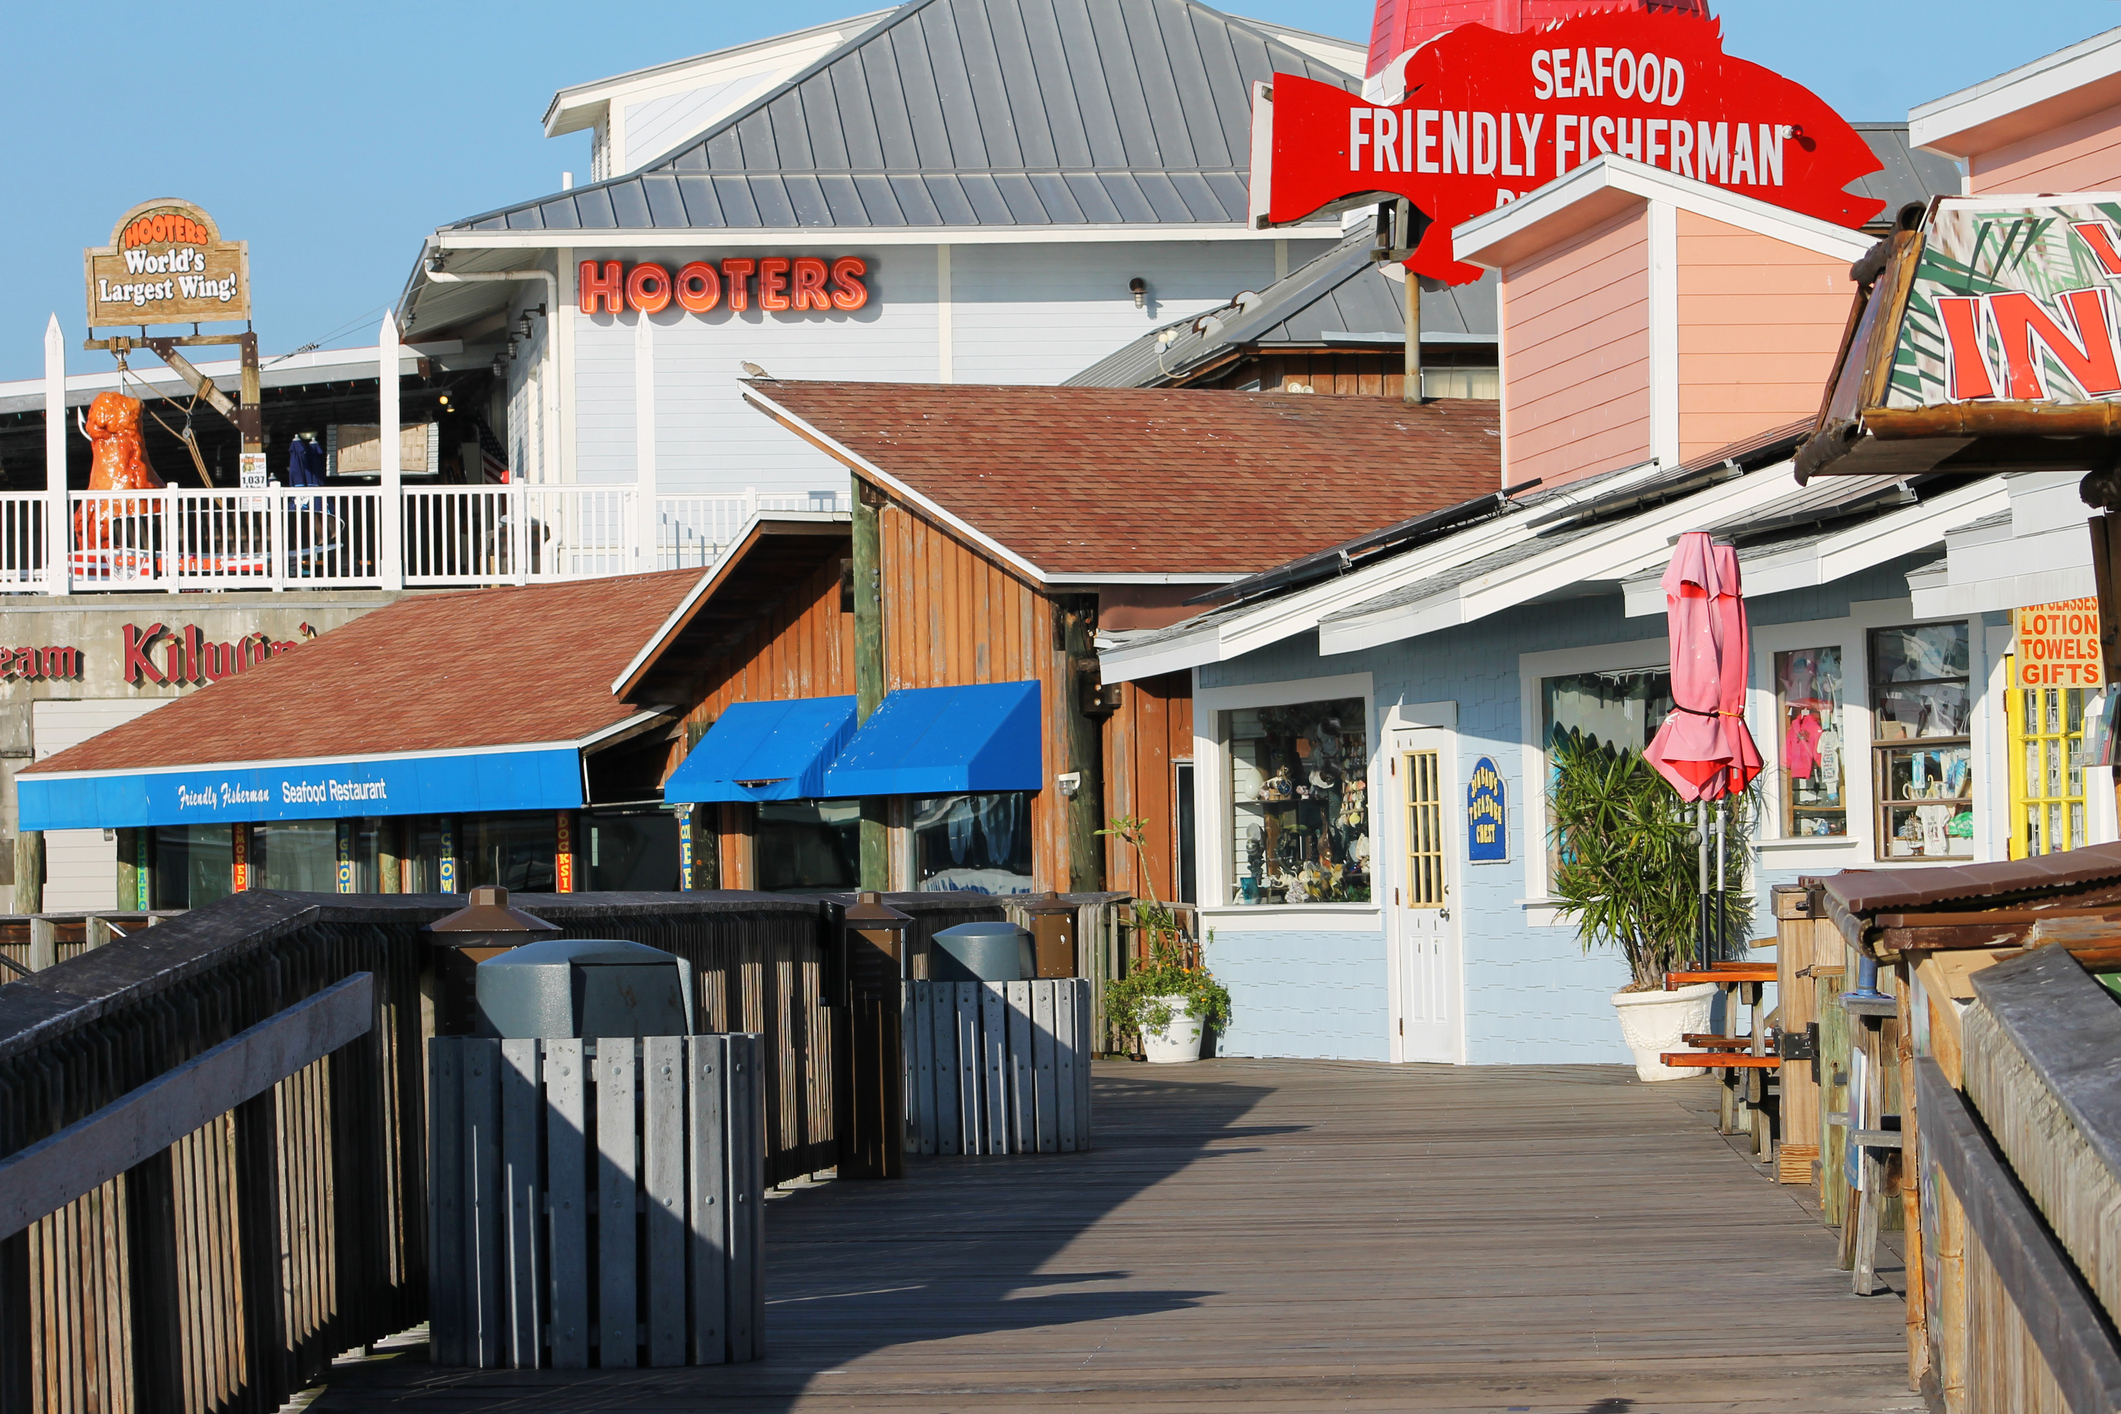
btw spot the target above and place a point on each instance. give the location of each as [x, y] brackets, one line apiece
[1476, 118]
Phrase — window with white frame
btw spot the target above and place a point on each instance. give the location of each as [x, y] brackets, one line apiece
[1922, 756]
[1618, 709]
[1299, 803]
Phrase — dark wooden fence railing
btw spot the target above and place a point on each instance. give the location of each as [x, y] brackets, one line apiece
[225, 1272]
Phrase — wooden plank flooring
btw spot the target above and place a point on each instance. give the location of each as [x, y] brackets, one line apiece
[1264, 1235]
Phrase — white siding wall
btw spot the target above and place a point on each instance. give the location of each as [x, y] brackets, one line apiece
[80, 866]
[1038, 314]
[1020, 314]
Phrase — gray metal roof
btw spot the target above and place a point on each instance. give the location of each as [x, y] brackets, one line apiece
[1910, 174]
[1339, 299]
[1461, 574]
[961, 113]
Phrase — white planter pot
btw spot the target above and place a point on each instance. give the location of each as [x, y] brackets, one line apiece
[1180, 1041]
[1652, 1023]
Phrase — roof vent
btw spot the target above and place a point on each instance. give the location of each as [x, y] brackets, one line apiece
[1247, 301]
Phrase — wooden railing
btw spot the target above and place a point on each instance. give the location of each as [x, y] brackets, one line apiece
[226, 1270]
[2021, 1174]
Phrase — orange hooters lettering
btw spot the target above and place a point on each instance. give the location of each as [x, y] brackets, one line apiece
[648, 288]
[810, 283]
[699, 289]
[736, 272]
[773, 282]
[799, 283]
[604, 286]
[847, 274]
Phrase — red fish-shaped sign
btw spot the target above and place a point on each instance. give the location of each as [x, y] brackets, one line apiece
[1484, 117]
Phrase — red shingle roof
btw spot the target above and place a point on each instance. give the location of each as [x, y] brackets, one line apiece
[439, 672]
[1090, 481]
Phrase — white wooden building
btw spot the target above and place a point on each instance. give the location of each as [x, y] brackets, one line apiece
[1021, 188]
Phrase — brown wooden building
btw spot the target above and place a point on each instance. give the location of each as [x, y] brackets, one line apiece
[998, 533]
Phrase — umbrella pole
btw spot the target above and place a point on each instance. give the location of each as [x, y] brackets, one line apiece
[1723, 836]
[1701, 922]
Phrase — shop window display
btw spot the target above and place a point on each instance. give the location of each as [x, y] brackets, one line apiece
[1812, 744]
[298, 855]
[193, 865]
[1299, 803]
[423, 855]
[1922, 756]
[515, 851]
[807, 844]
[636, 850]
[1618, 709]
[975, 843]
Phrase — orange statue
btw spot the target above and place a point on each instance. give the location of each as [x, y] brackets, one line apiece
[121, 532]
[121, 457]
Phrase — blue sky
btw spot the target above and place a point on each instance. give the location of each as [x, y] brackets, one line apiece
[332, 137]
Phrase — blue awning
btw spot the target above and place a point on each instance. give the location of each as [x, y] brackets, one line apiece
[941, 740]
[533, 778]
[765, 751]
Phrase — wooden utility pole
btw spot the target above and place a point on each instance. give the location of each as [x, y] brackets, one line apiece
[1086, 748]
[869, 663]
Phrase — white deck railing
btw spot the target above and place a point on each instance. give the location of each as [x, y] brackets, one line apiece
[280, 537]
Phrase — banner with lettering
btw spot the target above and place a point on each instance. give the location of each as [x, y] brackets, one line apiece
[2011, 301]
[2057, 645]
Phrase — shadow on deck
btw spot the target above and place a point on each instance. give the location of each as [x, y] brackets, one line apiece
[1286, 1235]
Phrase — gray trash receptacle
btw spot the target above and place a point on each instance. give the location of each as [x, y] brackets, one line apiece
[584, 987]
[981, 952]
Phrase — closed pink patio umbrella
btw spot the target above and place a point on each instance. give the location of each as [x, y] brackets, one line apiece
[1704, 748]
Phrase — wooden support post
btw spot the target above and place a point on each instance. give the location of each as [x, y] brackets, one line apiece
[43, 944]
[1412, 390]
[1833, 1094]
[1918, 1347]
[29, 871]
[869, 663]
[1085, 743]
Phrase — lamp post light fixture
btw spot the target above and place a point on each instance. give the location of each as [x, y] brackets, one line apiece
[871, 1083]
[487, 926]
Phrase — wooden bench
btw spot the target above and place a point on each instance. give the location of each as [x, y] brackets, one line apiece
[1743, 1061]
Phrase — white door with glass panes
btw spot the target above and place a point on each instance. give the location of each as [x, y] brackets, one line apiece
[1427, 838]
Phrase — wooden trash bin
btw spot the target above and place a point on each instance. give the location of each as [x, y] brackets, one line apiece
[998, 1067]
[596, 1203]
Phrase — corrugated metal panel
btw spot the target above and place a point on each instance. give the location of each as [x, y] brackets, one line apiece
[1339, 292]
[1141, 109]
[1860, 893]
[1910, 174]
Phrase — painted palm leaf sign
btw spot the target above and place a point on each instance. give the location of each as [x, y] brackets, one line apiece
[1970, 254]
[1989, 336]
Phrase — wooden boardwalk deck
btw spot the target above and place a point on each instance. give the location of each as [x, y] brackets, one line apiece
[1288, 1236]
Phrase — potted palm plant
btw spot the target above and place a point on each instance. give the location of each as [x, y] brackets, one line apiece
[1168, 996]
[1628, 875]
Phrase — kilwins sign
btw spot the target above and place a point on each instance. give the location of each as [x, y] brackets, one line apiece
[167, 264]
[1476, 118]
